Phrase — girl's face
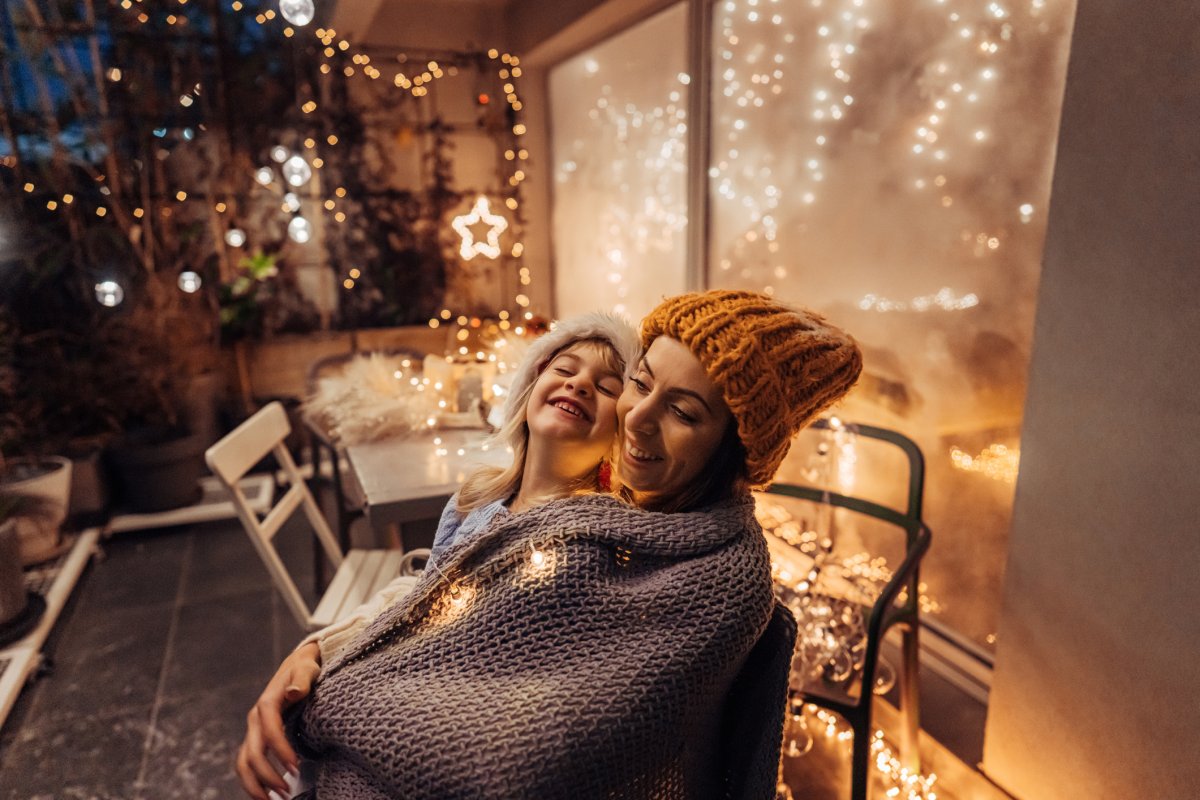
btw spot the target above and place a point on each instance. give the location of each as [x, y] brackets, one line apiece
[672, 419]
[574, 401]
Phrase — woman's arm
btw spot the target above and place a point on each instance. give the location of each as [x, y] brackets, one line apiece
[265, 738]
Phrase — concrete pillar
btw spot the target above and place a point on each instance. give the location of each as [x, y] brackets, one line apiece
[1097, 690]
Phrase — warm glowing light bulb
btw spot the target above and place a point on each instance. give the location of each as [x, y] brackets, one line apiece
[299, 230]
[297, 12]
[109, 293]
[190, 282]
[296, 171]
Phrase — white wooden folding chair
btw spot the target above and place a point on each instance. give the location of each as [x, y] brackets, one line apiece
[360, 573]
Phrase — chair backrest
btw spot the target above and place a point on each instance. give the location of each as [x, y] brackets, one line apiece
[886, 611]
[232, 457]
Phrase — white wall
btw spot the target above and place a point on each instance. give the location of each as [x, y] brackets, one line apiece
[1096, 692]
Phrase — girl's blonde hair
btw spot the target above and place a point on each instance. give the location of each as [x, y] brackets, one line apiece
[488, 484]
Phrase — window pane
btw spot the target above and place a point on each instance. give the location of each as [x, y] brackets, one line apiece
[619, 127]
[889, 164]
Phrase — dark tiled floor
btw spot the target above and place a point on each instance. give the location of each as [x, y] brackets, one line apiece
[164, 645]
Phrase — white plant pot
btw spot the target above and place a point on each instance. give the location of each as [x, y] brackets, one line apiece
[41, 537]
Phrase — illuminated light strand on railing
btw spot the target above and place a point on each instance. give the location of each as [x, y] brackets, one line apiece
[945, 299]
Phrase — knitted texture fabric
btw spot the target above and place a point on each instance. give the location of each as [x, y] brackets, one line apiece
[581, 649]
[777, 367]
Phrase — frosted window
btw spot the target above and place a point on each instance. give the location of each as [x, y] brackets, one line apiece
[889, 163]
[619, 124]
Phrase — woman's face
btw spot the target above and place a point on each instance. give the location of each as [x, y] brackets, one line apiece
[574, 402]
[672, 419]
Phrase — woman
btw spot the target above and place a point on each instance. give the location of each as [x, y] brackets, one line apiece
[585, 647]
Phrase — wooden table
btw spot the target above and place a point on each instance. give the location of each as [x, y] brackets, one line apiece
[410, 478]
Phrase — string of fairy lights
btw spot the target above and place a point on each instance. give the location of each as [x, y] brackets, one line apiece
[831, 629]
[756, 56]
[294, 167]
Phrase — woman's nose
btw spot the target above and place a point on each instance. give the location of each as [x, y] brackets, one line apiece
[641, 417]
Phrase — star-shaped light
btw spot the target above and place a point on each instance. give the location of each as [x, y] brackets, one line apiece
[480, 213]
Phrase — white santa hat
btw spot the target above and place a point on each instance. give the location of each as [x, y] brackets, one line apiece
[610, 328]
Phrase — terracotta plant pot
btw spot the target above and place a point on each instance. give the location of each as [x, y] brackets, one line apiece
[40, 536]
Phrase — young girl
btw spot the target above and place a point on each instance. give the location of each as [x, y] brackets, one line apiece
[561, 423]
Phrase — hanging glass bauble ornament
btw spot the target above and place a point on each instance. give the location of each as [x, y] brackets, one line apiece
[297, 12]
[264, 175]
[109, 293]
[296, 171]
[189, 282]
[299, 230]
[291, 203]
[235, 237]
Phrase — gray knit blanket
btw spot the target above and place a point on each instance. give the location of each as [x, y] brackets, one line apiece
[581, 649]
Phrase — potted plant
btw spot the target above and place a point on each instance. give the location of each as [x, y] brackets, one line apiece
[21, 609]
[160, 391]
[35, 488]
[120, 378]
[34, 494]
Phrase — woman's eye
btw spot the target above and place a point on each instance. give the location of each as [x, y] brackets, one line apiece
[640, 385]
[683, 415]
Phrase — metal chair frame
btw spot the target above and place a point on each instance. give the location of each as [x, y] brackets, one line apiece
[885, 612]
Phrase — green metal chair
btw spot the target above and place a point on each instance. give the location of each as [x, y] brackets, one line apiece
[885, 613]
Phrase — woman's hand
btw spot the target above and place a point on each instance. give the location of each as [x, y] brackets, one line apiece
[264, 724]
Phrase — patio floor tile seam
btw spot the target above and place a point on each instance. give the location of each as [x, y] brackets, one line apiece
[159, 691]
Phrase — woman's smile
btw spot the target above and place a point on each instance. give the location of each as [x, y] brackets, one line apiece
[638, 456]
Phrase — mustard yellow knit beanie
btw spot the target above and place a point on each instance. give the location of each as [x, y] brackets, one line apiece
[777, 367]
